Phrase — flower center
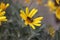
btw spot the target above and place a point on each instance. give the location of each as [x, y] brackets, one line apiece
[29, 20]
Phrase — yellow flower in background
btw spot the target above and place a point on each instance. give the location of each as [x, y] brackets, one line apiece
[39, 2]
[51, 5]
[58, 13]
[58, 1]
[2, 17]
[3, 6]
[27, 17]
[27, 1]
[51, 31]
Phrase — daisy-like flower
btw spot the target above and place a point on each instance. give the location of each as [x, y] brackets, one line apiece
[2, 17]
[51, 5]
[58, 13]
[58, 1]
[39, 2]
[27, 17]
[3, 6]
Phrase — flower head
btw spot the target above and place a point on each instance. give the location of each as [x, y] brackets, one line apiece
[27, 17]
[58, 13]
[51, 5]
[2, 17]
[3, 6]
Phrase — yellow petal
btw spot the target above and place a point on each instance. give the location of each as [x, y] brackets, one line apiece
[7, 5]
[23, 15]
[2, 6]
[37, 24]
[58, 1]
[26, 23]
[27, 11]
[32, 13]
[0, 10]
[32, 26]
[2, 13]
[3, 18]
[58, 13]
[39, 18]
[51, 5]
[36, 21]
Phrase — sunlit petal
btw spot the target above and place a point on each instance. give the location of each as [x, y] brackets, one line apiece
[37, 24]
[3, 6]
[7, 5]
[27, 11]
[2, 18]
[26, 23]
[36, 21]
[0, 10]
[23, 15]
[2, 13]
[32, 13]
[32, 26]
[58, 13]
[39, 18]
[58, 1]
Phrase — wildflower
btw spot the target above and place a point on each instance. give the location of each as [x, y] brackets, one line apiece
[2, 17]
[51, 31]
[3, 6]
[58, 13]
[51, 5]
[39, 1]
[27, 17]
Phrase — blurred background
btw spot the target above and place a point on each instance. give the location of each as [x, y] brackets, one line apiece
[14, 28]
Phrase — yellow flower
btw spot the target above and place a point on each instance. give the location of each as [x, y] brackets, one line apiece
[27, 17]
[58, 13]
[2, 17]
[58, 1]
[51, 5]
[51, 31]
[39, 2]
[3, 6]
